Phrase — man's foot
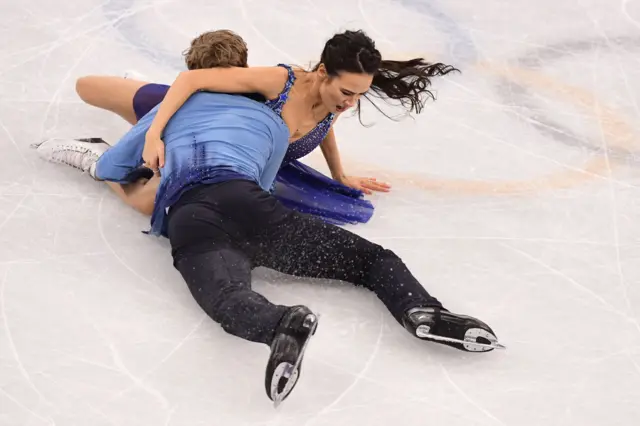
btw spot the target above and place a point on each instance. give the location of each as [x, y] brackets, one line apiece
[76, 153]
[287, 352]
[459, 331]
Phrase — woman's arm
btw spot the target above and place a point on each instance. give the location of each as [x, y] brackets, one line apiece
[329, 149]
[267, 81]
[331, 154]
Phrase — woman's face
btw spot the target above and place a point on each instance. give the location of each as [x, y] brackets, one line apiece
[343, 91]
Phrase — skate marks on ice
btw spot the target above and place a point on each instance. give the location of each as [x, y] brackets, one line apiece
[383, 380]
[624, 146]
[515, 86]
[617, 140]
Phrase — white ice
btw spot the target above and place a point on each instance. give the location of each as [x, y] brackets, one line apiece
[515, 199]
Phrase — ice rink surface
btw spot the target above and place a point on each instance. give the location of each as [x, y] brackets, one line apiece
[515, 199]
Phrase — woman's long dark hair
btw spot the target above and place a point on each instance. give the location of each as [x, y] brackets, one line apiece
[404, 81]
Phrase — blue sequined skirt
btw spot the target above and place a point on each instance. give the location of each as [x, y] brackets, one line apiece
[306, 190]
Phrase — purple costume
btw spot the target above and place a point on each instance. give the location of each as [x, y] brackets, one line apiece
[297, 185]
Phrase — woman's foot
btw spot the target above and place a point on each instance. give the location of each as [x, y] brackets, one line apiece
[80, 154]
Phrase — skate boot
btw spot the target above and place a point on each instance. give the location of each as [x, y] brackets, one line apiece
[79, 153]
[287, 351]
[459, 331]
[135, 75]
[140, 173]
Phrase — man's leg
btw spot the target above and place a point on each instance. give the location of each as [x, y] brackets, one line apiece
[206, 252]
[296, 244]
[302, 245]
[305, 246]
[220, 281]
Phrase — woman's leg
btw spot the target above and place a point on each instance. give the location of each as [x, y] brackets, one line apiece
[113, 164]
[140, 195]
[109, 163]
[130, 99]
[114, 94]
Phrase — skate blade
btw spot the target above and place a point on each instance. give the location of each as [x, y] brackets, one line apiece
[93, 140]
[291, 371]
[36, 145]
[492, 345]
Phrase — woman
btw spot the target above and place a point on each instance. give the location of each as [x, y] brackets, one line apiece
[298, 186]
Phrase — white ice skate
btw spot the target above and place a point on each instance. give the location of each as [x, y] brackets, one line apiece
[135, 75]
[81, 154]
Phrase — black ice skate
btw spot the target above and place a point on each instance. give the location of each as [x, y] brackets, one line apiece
[459, 331]
[287, 351]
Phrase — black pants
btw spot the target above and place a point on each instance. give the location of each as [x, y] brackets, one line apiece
[220, 232]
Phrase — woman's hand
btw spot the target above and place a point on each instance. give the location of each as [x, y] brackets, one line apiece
[153, 152]
[366, 185]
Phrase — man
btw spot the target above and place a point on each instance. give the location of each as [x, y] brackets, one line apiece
[222, 153]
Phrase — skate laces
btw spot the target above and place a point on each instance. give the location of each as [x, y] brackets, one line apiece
[75, 156]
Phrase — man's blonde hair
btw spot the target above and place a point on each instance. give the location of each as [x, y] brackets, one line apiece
[221, 48]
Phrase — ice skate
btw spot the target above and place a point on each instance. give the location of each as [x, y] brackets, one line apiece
[79, 153]
[287, 351]
[140, 173]
[135, 75]
[459, 331]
